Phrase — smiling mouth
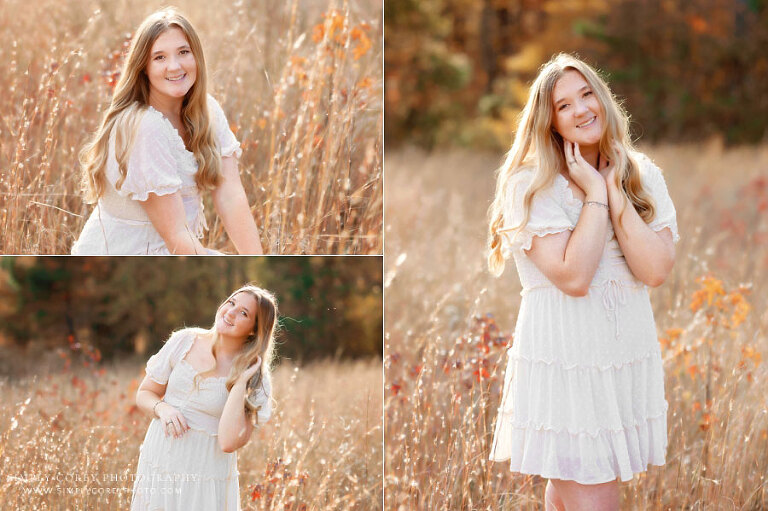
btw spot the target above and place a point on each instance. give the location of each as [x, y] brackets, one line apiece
[227, 322]
[587, 123]
[179, 78]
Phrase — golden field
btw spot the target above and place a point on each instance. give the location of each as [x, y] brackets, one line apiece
[70, 440]
[449, 322]
[300, 82]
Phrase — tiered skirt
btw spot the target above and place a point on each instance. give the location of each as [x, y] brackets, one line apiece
[188, 473]
[583, 395]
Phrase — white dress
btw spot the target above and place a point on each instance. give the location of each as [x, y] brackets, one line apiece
[583, 392]
[159, 163]
[189, 473]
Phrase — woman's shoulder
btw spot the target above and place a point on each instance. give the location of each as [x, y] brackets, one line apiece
[522, 175]
[148, 124]
[188, 331]
[648, 169]
[214, 107]
[184, 335]
[523, 178]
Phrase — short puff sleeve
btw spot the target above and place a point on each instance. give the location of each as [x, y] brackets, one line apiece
[653, 182]
[261, 398]
[547, 215]
[152, 166]
[224, 136]
[160, 365]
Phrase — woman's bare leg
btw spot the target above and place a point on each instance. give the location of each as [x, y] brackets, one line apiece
[552, 500]
[588, 497]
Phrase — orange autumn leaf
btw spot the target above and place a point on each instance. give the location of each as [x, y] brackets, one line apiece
[365, 83]
[363, 43]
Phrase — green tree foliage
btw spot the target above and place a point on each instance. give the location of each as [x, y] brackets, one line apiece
[442, 57]
[457, 71]
[687, 68]
[330, 306]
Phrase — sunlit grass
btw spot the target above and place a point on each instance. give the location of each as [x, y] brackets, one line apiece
[300, 82]
[72, 438]
[446, 357]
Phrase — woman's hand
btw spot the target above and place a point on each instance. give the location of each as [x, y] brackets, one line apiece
[246, 375]
[582, 173]
[172, 420]
[608, 169]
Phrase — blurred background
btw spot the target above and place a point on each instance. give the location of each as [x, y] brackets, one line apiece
[75, 336]
[457, 72]
[124, 306]
[692, 76]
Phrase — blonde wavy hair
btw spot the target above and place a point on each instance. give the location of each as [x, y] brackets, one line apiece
[261, 343]
[539, 146]
[130, 101]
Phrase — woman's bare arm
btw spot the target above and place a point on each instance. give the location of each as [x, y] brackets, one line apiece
[234, 427]
[231, 204]
[166, 212]
[570, 259]
[149, 399]
[650, 255]
[149, 393]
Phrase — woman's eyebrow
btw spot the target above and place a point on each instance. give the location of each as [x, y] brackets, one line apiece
[182, 47]
[563, 99]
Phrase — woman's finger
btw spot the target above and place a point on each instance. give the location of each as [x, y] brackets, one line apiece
[183, 422]
[168, 427]
[178, 430]
[577, 153]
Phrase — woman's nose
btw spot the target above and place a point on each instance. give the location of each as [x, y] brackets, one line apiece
[580, 108]
[173, 63]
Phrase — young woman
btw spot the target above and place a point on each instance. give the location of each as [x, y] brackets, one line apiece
[591, 226]
[163, 140]
[204, 389]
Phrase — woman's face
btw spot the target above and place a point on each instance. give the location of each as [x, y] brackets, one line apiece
[578, 116]
[237, 316]
[172, 69]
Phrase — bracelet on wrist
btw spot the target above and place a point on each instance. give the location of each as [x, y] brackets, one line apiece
[598, 204]
[154, 411]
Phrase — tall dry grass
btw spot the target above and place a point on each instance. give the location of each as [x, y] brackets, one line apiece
[70, 440]
[300, 82]
[449, 323]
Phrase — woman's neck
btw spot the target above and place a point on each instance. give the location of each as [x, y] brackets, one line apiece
[591, 154]
[227, 347]
[169, 107]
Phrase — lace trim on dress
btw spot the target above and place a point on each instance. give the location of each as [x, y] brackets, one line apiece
[566, 194]
[174, 138]
[598, 367]
[672, 227]
[526, 236]
[593, 433]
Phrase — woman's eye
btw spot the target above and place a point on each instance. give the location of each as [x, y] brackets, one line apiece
[159, 57]
[244, 314]
[563, 106]
[587, 93]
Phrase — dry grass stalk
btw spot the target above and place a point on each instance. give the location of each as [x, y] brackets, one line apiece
[445, 357]
[301, 84]
[70, 440]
